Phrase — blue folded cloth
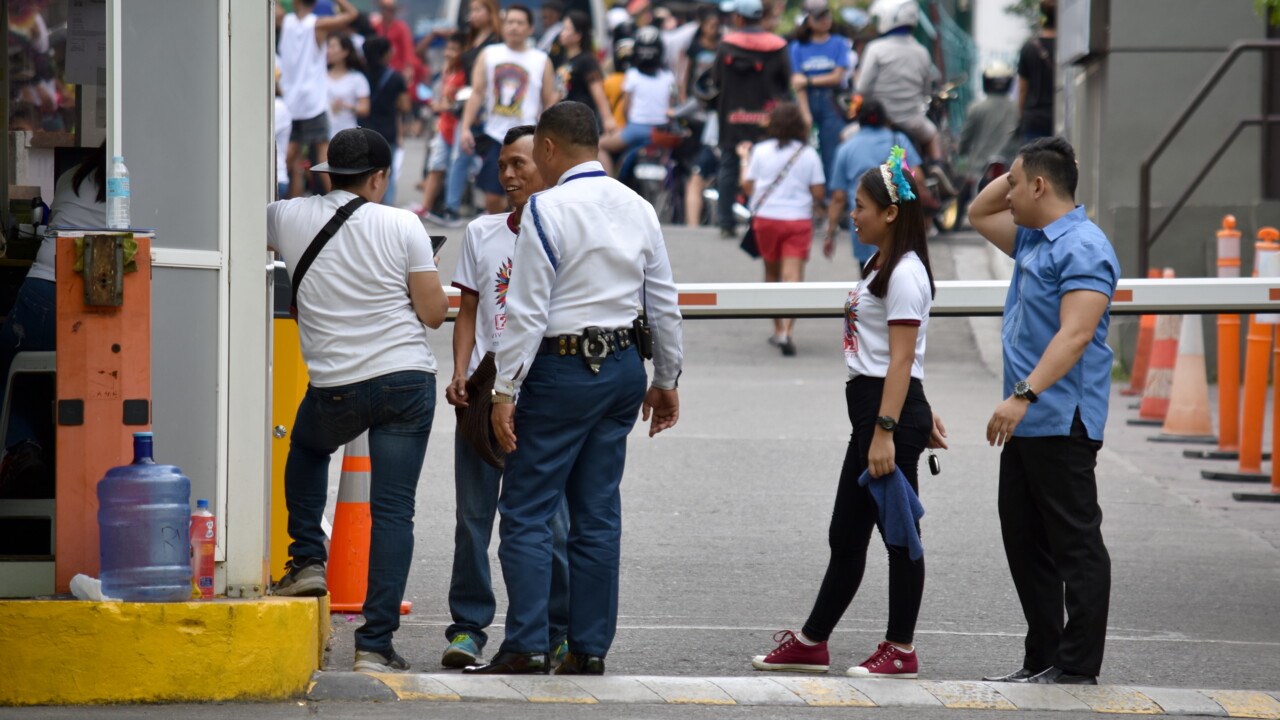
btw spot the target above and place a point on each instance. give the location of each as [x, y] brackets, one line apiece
[900, 510]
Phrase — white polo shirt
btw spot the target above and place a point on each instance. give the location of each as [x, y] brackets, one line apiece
[588, 249]
[354, 316]
[867, 319]
[484, 270]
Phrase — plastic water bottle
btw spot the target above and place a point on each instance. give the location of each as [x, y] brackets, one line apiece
[144, 511]
[203, 540]
[118, 194]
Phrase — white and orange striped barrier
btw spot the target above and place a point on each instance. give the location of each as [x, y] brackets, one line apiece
[960, 298]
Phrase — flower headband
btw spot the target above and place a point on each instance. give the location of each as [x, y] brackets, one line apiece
[895, 180]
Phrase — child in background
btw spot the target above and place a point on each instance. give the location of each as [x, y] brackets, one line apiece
[440, 152]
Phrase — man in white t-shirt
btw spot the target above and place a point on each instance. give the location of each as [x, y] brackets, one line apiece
[305, 77]
[483, 275]
[361, 309]
[513, 83]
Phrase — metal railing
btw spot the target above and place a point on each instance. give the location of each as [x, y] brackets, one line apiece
[1146, 236]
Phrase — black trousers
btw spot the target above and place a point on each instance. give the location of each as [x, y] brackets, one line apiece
[856, 513]
[1052, 529]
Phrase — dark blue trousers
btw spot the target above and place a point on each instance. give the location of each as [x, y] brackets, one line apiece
[571, 428]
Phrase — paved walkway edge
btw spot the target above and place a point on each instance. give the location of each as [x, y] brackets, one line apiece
[795, 690]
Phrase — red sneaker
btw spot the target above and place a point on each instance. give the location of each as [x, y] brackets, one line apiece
[888, 662]
[793, 655]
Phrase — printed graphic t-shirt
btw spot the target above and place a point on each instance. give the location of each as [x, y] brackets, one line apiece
[867, 319]
[484, 270]
[514, 94]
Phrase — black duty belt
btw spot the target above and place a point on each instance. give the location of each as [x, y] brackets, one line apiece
[593, 345]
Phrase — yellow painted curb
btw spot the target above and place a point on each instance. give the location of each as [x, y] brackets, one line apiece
[1114, 699]
[968, 696]
[68, 652]
[1244, 703]
[417, 687]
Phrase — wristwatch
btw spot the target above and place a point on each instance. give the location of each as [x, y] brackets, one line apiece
[1022, 389]
[887, 423]
[501, 398]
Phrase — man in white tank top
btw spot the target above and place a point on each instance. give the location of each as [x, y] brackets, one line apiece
[304, 80]
[514, 83]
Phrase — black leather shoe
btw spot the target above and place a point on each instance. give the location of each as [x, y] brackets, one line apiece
[509, 663]
[1020, 675]
[1056, 676]
[581, 665]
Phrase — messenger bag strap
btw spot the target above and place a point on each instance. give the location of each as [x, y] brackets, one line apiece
[322, 238]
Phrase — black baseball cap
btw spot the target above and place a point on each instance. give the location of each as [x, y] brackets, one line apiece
[355, 151]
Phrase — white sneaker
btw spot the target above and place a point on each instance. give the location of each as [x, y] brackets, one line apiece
[372, 662]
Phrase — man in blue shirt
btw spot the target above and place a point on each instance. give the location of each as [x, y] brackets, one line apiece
[865, 150]
[1057, 381]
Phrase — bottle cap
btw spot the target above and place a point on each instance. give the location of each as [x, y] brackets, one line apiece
[142, 434]
[202, 504]
[117, 158]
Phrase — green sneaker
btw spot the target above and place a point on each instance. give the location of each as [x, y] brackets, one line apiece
[463, 651]
[558, 654]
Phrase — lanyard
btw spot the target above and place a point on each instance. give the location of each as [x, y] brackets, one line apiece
[587, 174]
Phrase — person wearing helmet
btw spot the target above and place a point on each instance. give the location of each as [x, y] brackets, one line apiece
[753, 71]
[647, 89]
[898, 71]
[991, 122]
[622, 48]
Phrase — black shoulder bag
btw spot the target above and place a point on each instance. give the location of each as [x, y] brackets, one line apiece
[322, 238]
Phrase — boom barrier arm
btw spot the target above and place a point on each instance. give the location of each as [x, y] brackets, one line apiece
[957, 298]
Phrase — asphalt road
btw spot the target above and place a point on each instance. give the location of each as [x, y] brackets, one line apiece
[725, 518]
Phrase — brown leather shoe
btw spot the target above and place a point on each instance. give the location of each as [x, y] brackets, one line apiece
[509, 663]
[581, 665]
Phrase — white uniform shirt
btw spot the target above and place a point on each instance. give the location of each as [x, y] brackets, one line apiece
[303, 70]
[514, 93]
[867, 319]
[484, 270]
[587, 250]
[355, 320]
[791, 199]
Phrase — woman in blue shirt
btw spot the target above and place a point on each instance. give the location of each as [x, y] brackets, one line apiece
[820, 61]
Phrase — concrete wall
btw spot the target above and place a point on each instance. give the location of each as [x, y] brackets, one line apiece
[1118, 106]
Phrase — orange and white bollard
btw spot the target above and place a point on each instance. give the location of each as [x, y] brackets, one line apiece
[1268, 265]
[1159, 382]
[1257, 364]
[1142, 356]
[1228, 355]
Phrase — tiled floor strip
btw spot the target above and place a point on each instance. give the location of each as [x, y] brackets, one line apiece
[815, 691]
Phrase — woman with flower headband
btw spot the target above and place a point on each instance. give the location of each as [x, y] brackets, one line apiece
[884, 340]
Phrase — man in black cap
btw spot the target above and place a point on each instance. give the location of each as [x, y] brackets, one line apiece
[364, 285]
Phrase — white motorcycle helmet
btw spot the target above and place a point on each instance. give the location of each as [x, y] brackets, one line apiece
[893, 14]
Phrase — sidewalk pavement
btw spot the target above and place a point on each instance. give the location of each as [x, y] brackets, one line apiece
[792, 690]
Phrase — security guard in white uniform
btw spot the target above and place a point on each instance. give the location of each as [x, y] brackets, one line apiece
[589, 260]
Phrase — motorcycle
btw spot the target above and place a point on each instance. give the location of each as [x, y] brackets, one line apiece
[941, 181]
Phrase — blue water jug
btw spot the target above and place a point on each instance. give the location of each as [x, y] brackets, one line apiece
[144, 516]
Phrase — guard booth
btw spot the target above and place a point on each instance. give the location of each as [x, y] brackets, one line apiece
[183, 90]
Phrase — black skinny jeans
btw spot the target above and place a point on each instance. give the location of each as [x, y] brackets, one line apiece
[856, 513]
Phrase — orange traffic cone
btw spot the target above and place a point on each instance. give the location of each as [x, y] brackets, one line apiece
[1188, 419]
[348, 572]
[1142, 356]
[1164, 354]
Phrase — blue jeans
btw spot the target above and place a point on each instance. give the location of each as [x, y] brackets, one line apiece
[396, 409]
[827, 118]
[458, 174]
[572, 428]
[31, 326]
[471, 601]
